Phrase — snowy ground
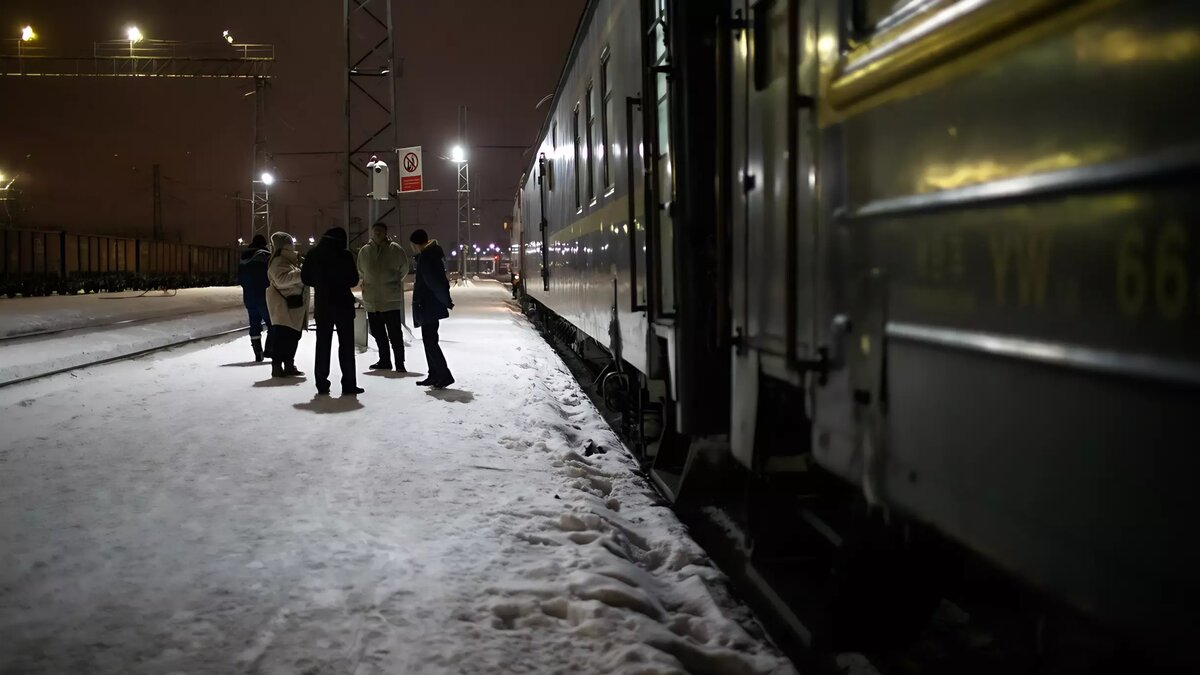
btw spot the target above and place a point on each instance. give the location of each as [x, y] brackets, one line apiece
[187, 514]
[56, 312]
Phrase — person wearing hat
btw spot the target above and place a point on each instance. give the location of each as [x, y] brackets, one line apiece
[329, 268]
[252, 276]
[382, 266]
[431, 304]
[287, 301]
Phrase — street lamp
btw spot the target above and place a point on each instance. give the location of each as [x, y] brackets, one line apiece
[134, 36]
[27, 35]
[457, 155]
[227, 36]
[267, 179]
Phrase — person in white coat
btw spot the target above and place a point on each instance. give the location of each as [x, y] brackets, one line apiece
[382, 266]
[287, 301]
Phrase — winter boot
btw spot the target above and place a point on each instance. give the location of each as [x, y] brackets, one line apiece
[290, 371]
[383, 364]
[256, 342]
[277, 369]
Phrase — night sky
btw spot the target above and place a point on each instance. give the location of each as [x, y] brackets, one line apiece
[85, 147]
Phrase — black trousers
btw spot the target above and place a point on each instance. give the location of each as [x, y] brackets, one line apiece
[388, 327]
[286, 339]
[345, 333]
[438, 369]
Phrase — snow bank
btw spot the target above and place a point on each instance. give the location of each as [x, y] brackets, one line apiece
[35, 356]
[29, 315]
[186, 514]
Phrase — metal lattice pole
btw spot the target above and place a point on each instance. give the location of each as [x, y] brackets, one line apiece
[370, 93]
[260, 195]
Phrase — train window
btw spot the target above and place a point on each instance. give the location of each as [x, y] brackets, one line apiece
[575, 130]
[606, 121]
[873, 15]
[591, 140]
[553, 154]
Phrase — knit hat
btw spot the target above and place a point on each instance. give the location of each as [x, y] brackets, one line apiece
[282, 241]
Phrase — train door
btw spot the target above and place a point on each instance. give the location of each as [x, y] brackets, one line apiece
[662, 248]
[774, 226]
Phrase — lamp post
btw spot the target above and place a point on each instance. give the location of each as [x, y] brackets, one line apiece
[260, 204]
[459, 157]
[27, 35]
[134, 35]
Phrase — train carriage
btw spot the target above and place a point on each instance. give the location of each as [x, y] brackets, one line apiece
[940, 250]
[41, 262]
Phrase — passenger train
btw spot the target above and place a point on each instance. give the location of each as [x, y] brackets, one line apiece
[928, 270]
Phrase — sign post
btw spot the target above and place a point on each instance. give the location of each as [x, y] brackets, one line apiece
[412, 170]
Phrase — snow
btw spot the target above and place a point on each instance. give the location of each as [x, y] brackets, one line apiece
[186, 513]
[57, 312]
[28, 357]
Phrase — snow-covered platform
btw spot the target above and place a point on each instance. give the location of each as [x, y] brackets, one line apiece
[186, 513]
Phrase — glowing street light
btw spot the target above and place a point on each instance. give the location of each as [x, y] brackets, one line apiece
[228, 37]
[134, 36]
[27, 34]
[267, 179]
[458, 155]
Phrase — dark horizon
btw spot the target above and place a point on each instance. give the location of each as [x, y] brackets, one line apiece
[85, 147]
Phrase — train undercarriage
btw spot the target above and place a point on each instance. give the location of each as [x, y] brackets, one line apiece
[835, 580]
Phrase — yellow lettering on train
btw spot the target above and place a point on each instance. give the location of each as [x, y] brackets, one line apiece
[1028, 254]
[1171, 272]
[1154, 271]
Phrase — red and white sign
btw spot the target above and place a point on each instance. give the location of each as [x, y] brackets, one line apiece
[411, 170]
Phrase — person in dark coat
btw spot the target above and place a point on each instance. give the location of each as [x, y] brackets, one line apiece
[431, 304]
[252, 276]
[330, 270]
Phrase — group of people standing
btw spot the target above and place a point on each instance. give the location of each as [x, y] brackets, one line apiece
[275, 283]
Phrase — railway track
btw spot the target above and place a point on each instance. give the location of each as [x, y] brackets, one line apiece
[124, 357]
[34, 335]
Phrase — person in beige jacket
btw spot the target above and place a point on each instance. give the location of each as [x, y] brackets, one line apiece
[382, 267]
[287, 301]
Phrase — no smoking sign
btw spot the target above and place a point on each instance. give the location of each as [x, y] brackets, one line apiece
[411, 178]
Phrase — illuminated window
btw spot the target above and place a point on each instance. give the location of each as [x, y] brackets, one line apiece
[578, 149]
[606, 121]
[591, 139]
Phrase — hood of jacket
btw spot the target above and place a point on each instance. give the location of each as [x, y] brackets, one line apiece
[335, 238]
[255, 255]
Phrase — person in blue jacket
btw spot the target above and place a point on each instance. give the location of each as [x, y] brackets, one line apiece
[252, 276]
[431, 303]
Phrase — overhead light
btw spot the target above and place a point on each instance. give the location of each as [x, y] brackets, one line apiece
[267, 179]
[133, 34]
[228, 38]
[27, 34]
[457, 154]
